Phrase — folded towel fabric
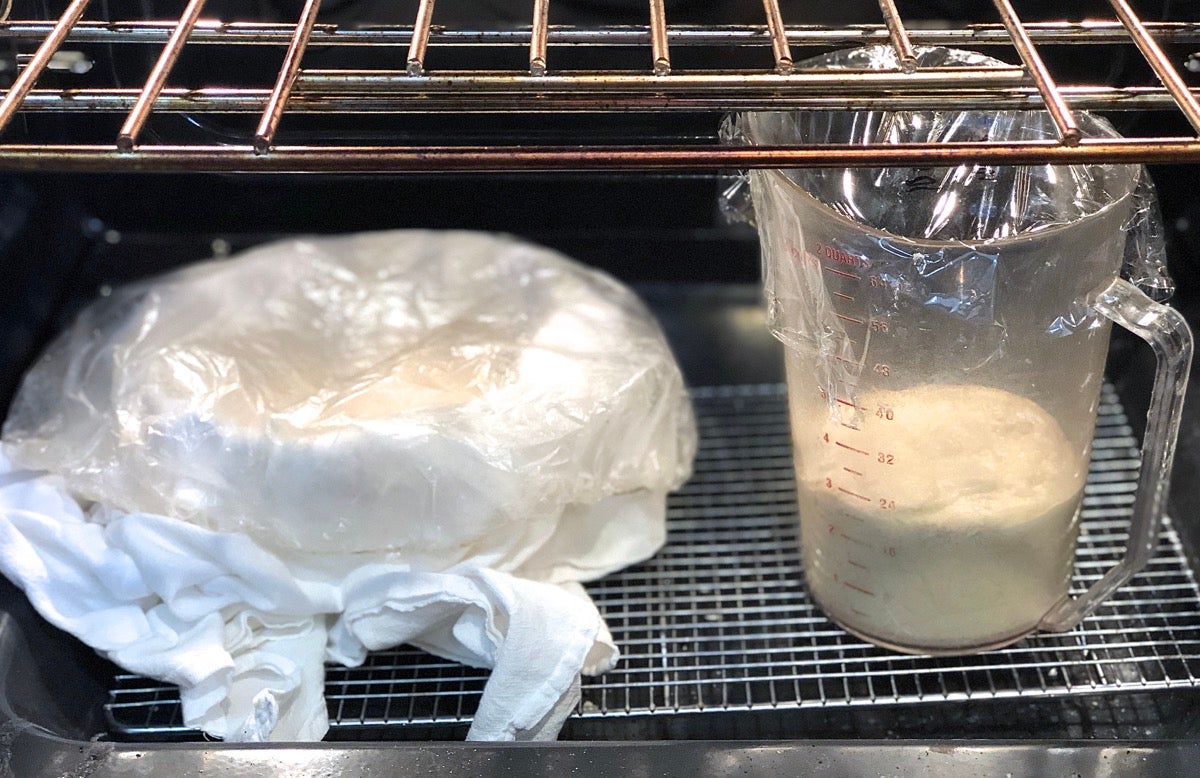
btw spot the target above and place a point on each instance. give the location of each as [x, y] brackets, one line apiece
[244, 631]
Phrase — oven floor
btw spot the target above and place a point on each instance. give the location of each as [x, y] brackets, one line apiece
[719, 621]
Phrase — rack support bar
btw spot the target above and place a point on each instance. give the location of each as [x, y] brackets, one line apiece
[1068, 130]
[30, 74]
[1158, 61]
[899, 35]
[158, 76]
[269, 123]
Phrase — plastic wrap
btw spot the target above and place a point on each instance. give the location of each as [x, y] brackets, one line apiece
[967, 272]
[947, 331]
[972, 203]
[443, 395]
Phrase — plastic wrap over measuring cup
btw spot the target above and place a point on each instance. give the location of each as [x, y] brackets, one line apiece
[450, 396]
[946, 332]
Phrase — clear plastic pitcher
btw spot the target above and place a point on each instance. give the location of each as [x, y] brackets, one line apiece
[946, 333]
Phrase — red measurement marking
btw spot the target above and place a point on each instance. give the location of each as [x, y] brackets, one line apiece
[856, 564]
[848, 426]
[853, 472]
[854, 494]
[849, 318]
[867, 592]
[845, 402]
[842, 273]
[852, 448]
[843, 296]
[856, 541]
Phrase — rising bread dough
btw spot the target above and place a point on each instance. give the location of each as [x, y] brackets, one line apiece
[950, 525]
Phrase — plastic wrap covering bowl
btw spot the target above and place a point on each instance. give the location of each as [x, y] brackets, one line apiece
[446, 396]
[969, 202]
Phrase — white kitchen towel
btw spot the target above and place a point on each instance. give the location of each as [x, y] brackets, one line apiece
[245, 631]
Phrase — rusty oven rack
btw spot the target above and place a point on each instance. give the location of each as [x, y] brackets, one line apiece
[415, 83]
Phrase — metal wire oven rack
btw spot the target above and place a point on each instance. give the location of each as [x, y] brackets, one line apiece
[719, 620]
[412, 70]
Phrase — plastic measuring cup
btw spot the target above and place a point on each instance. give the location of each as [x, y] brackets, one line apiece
[946, 333]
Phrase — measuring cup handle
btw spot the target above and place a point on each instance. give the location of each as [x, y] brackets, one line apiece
[1167, 333]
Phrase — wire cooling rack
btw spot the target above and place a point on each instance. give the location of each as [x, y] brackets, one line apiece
[719, 620]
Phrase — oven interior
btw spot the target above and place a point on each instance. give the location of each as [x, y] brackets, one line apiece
[721, 645]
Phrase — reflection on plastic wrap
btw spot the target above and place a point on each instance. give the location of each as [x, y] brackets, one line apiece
[458, 395]
[959, 280]
[970, 202]
[1145, 263]
[1078, 316]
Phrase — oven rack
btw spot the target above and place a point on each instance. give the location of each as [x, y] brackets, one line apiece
[719, 620]
[424, 68]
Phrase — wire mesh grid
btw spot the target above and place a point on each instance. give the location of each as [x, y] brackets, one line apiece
[720, 620]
